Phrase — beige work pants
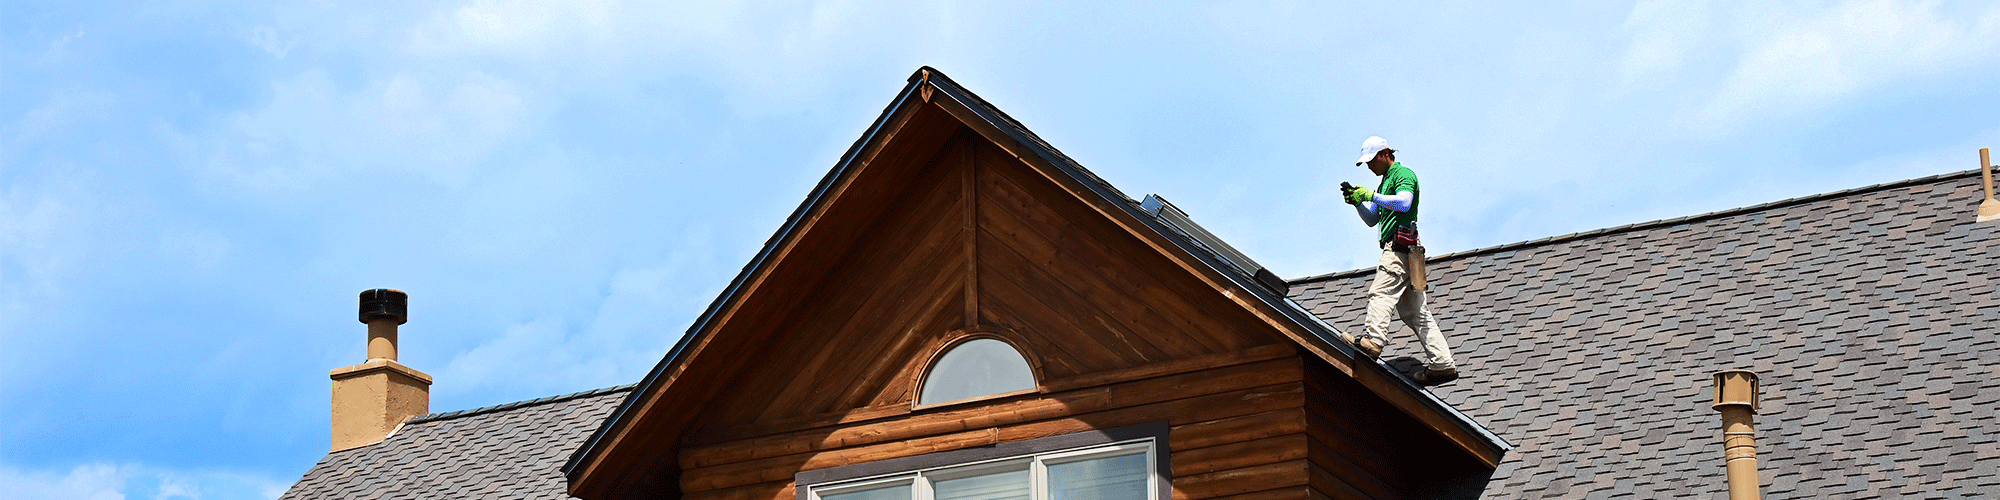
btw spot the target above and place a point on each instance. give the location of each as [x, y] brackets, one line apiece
[1391, 291]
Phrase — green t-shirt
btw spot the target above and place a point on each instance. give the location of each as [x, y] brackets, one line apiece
[1397, 180]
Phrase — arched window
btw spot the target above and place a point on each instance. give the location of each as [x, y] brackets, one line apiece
[974, 368]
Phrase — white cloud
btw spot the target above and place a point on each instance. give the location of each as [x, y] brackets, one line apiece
[1663, 32]
[198, 248]
[85, 482]
[522, 28]
[106, 481]
[312, 131]
[62, 112]
[60, 45]
[1798, 61]
[581, 34]
[766, 56]
[642, 313]
[538, 346]
[52, 224]
[266, 38]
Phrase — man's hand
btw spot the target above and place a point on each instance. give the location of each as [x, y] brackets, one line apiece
[1346, 191]
[1360, 194]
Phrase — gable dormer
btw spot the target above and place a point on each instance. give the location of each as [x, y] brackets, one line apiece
[951, 246]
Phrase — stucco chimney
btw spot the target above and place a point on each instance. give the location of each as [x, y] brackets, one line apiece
[372, 398]
[1736, 397]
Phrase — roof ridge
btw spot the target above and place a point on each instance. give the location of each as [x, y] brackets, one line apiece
[432, 417]
[1639, 226]
[1028, 134]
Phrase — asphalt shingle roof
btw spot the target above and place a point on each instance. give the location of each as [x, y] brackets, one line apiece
[1868, 314]
[510, 451]
[1871, 315]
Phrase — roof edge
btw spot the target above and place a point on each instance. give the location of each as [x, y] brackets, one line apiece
[433, 417]
[1641, 226]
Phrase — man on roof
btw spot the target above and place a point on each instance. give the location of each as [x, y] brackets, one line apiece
[1399, 274]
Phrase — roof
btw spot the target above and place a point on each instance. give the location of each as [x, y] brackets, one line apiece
[923, 82]
[514, 450]
[1871, 315]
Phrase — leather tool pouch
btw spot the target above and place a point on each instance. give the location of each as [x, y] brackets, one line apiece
[1405, 240]
[1405, 236]
[1417, 279]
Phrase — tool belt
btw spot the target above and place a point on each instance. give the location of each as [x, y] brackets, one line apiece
[1405, 240]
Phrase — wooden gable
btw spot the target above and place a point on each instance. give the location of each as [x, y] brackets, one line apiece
[977, 243]
[941, 231]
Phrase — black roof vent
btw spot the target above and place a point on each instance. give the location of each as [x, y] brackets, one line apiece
[1175, 218]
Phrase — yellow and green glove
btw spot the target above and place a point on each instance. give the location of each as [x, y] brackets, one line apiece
[1360, 194]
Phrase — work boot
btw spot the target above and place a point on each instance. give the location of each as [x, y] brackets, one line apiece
[1369, 347]
[1429, 377]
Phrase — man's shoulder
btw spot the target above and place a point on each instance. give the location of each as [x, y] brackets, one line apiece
[1401, 172]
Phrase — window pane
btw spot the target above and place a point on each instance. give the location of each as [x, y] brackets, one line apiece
[1111, 478]
[976, 368]
[897, 492]
[1010, 485]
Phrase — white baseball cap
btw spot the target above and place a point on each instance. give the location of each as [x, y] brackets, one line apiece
[1370, 147]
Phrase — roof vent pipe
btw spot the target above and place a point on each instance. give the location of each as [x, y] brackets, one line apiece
[1989, 209]
[1736, 397]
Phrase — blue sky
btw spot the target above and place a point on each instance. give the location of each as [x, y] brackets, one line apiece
[193, 192]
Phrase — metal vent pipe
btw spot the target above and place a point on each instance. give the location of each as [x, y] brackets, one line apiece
[1989, 209]
[1736, 396]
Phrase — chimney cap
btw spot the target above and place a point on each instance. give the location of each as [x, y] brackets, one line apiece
[385, 303]
[1736, 388]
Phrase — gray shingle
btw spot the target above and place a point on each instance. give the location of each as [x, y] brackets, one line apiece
[1866, 312]
[509, 451]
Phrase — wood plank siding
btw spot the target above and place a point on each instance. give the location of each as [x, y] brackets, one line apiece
[1077, 296]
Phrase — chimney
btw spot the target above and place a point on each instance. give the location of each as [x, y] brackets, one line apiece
[1736, 397]
[372, 398]
[1989, 209]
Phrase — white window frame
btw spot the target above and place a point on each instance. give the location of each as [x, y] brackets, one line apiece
[921, 481]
